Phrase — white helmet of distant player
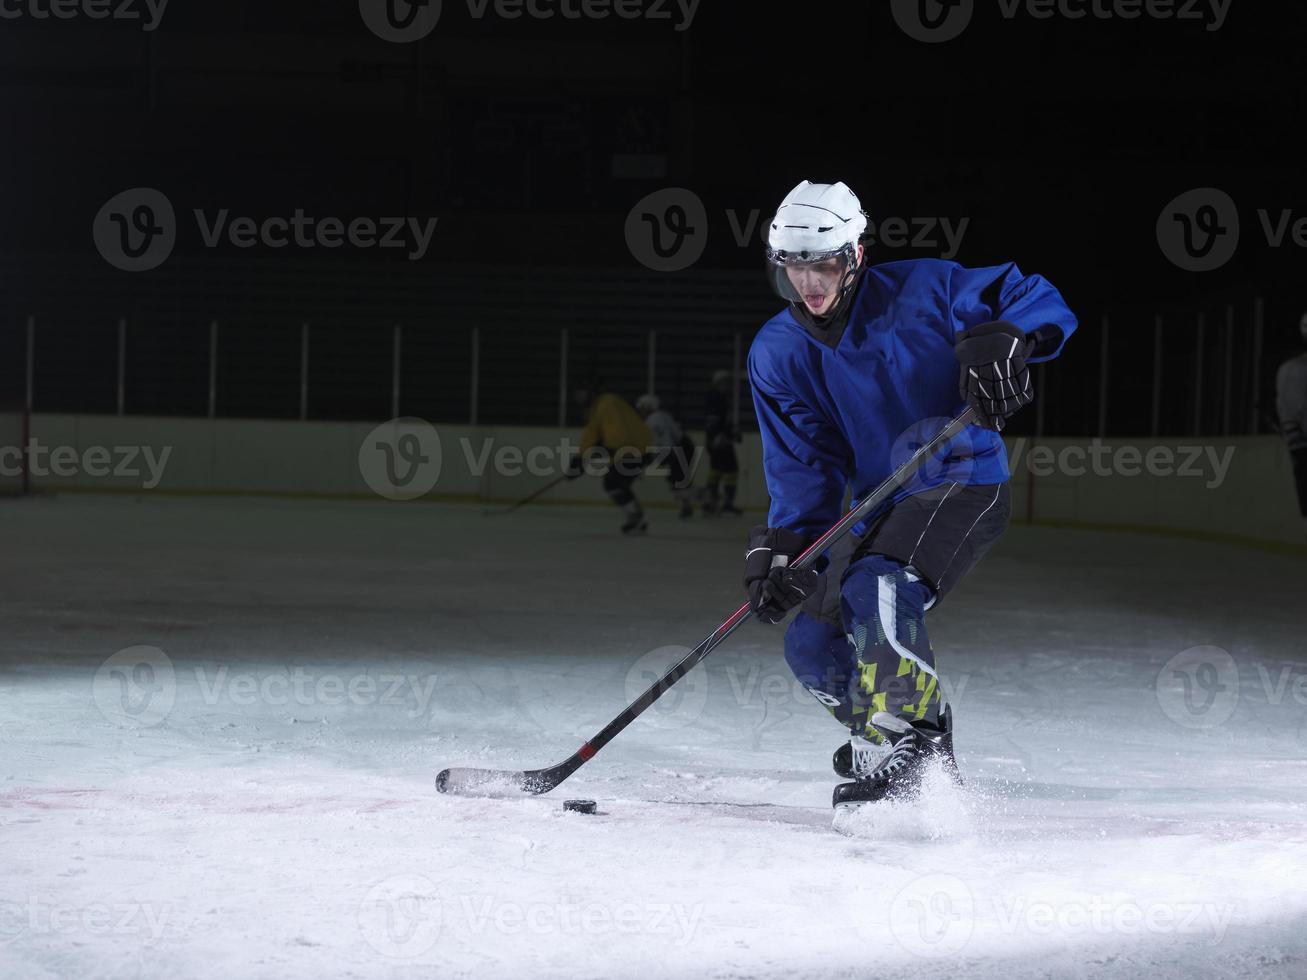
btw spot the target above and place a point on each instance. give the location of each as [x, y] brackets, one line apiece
[815, 224]
[647, 404]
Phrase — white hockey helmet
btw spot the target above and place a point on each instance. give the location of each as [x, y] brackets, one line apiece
[647, 404]
[814, 223]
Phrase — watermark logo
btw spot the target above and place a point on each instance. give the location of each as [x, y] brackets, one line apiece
[933, 21]
[136, 230]
[136, 687]
[933, 916]
[401, 459]
[1199, 687]
[401, 917]
[400, 21]
[937, 915]
[950, 464]
[667, 231]
[1199, 230]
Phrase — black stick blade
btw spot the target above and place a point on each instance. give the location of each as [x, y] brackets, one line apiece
[505, 783]
[482, 782]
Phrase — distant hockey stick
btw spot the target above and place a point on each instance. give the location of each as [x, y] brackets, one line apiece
[495, 512]
[492, 782]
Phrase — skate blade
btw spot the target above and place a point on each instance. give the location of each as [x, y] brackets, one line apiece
[939, 810]
[854, 820]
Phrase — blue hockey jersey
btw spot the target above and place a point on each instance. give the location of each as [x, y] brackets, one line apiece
[831, 417]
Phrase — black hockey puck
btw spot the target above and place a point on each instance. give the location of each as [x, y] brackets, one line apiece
[579, 806]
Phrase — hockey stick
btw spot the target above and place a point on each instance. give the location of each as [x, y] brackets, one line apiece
[493, 512]
[492, 782]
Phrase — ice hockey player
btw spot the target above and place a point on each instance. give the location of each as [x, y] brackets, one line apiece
[861, 356]
[615, 434]
[1291, 406]
[673, 447]
[720, 437]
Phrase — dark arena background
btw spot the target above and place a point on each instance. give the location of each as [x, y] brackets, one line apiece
[305, 309]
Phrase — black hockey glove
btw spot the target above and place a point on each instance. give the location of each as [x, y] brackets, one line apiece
[995, 379]
[775, 588]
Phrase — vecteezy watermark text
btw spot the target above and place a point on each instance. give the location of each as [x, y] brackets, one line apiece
[148, 12]
[402, 459]
[1211, 13]
[300, 687]
[581, 918]
[406, 21]
[35, 916]
[1209, 463]
[100, 462]
[137, 688]
[305, 231]
[402, 917]
[936, 21]
[1103, 916]
[652, 10]
[138, 229]
[937, 916]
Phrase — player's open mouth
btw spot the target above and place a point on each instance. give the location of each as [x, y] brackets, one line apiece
[815, 301]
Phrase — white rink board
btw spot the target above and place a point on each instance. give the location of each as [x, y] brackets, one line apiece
[1238, 486]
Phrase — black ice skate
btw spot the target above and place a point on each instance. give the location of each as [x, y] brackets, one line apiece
[898, 775]
[635, 525]
[856, 758]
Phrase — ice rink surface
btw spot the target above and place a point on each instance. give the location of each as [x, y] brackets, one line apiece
[220, 722]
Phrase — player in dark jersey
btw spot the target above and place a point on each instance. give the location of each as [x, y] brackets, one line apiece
[720, 438]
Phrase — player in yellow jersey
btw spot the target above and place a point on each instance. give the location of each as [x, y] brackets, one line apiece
[615, 433]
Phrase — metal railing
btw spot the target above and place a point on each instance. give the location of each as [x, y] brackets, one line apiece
[1197, 372]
